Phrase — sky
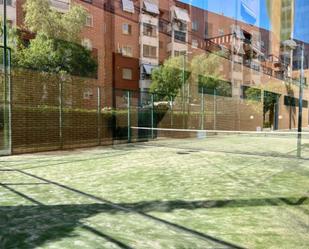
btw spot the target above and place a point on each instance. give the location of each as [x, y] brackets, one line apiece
[261, 18]
[228, 8]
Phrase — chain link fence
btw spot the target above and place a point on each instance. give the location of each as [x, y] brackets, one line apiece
[198, 112]
[55, 111]
[58, 111]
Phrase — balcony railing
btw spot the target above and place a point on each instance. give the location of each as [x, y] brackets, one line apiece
[180, 36]
[253, 65]
[150, 33]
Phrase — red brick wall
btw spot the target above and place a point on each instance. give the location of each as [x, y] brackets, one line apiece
[121, 62]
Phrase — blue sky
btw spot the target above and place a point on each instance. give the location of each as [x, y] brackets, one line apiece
[228, 8]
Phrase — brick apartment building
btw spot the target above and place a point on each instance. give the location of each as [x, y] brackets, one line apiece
[131, 37]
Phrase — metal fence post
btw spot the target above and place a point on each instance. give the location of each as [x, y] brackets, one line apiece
[61, 114]
[172, 111]
[10, 103]
[215, 109]
[129, 115]
[152, 116]
[202, 109]
[99, 114]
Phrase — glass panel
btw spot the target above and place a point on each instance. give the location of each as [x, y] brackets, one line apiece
[5, 139]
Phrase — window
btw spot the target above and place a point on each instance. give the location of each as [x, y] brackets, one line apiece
[147, 71]
[251, 93]
[128, 6]
[149, 51]
[221, 32]
[87, 44]
[8, 2]
[180, 36]
[208, 30]
[180, 53]
[149, 30]
[194, 44]
[292, 101]
[127, 73]
[181, 26]
[126, 29]
[195, 26]
[88, 94]
[127, 51]
[89, 20]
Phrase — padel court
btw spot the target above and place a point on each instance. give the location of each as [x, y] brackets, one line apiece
[219, 191]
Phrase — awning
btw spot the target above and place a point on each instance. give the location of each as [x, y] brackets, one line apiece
[148, 69]
[151, 7]
[128, 5]
[182, 14]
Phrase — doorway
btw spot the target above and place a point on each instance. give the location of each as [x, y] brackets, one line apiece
[271, 110]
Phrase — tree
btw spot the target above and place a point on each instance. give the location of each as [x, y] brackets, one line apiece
[56, 46]
[53, 55]
[170, 77]
[53, 24]
[205, 72]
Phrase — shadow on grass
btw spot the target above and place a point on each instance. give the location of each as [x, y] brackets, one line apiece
[27, 227]
[54, 222]
[32, 226]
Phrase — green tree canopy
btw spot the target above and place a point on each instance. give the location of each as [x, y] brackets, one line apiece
[202, 70]
[53, 24]
[53, 55]
[169, 77]
[56, 46]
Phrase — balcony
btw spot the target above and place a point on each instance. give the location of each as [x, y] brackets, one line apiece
[252, 64]
[150, 30]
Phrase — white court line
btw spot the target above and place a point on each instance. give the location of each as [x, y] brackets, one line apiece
[221, 131]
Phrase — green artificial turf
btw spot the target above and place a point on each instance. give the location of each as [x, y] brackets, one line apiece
[149, 196]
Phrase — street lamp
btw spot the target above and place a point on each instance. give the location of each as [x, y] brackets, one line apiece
[293, 45]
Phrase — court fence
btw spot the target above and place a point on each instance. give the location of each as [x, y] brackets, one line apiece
[57, 111]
